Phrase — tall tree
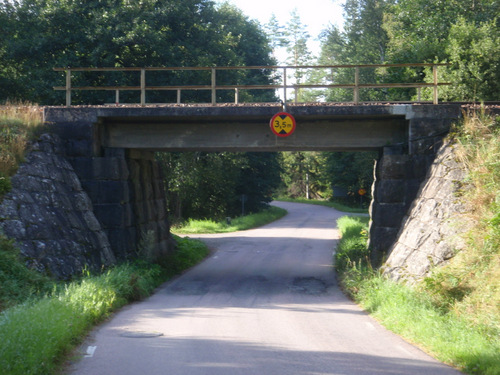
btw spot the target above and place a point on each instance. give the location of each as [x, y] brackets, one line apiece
[349, 171]
[297, 49]
[276, 33]
[474, 52]
[362, 41]
[212, 185]
[302, 175]
[43, 34]
[462, 32]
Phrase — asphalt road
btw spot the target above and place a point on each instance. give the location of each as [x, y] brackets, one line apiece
[265, 302]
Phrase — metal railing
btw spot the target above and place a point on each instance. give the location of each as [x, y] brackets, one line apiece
[214, 87]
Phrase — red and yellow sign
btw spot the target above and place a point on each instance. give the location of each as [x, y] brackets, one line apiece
[282, 124]
[362, 191]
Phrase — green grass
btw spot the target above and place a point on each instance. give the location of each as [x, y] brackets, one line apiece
[37, 334]
[19, 124]
[469, 284]
[18, 283]
[338, 206]
[236, 224]
[352, 247]
[410, 311]
[446, 336]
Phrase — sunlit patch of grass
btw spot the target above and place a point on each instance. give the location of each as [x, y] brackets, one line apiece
[413, 313]
[338, 206]
[232, 225]
[36, 335]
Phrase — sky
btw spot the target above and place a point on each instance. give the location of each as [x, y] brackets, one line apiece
[315, 14]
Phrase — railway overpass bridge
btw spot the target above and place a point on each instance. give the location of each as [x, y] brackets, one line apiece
[112, 151]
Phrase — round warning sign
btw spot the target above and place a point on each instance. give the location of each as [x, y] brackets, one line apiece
[282, 124]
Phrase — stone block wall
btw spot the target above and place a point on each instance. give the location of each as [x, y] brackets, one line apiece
[430, 232]
[149, 205]
[106, 181]
[125, 187]
[127, 193]
[75, 205]
[400, 171]
[50, 216]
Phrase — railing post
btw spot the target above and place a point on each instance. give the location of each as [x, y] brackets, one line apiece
[117, 97]
[356, 85]
[435, 75]
[68, 88]
[284, 85]
[214, 91]
[143, 86]
[178, 96]
[236, 96]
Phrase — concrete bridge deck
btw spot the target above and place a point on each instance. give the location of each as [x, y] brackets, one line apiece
[320, 127]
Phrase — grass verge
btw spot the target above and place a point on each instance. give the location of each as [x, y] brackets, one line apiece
[454, 313]
[240, 223]
[37, 334]
[338, 206]
[411, 312]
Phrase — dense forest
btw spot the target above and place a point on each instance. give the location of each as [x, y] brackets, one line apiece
[39, 35]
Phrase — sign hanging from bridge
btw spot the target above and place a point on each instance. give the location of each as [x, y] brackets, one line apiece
[282, 124]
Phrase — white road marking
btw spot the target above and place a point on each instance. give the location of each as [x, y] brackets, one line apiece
[370, 326]
[90, 351]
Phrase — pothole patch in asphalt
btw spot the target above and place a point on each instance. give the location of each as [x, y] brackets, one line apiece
[308, 285]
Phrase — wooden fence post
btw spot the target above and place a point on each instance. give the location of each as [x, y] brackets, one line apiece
[435, 75]
[68, 87]
[214, 91]
[143, 87]
[356, 85]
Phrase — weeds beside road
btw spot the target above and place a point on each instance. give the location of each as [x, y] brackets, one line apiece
[231, 225]
[36, 335]
[454, 313]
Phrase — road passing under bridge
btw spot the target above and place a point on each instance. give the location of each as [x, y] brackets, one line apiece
[265, 302]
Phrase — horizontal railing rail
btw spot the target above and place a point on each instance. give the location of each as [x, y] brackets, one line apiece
[214, 87]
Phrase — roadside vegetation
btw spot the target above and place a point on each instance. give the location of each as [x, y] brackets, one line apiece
[454, 314]
[51, 318]
[19, 123]
[231, 225]
[344, 207]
